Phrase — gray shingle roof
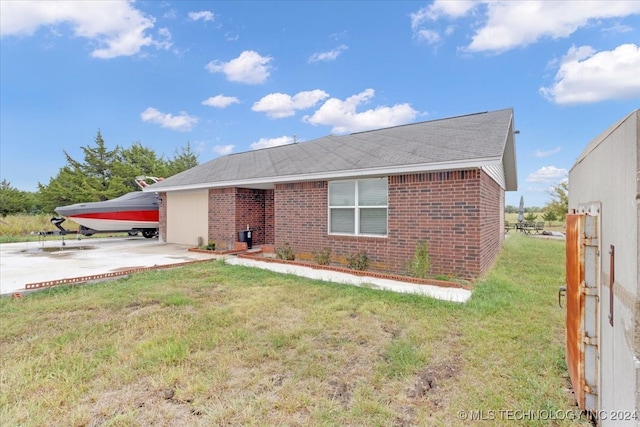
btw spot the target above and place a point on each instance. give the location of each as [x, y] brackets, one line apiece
[474, 138]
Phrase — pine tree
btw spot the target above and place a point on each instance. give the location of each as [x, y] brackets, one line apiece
[104, 174]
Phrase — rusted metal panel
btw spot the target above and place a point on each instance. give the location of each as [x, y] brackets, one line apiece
[574, 270]
[582, 290]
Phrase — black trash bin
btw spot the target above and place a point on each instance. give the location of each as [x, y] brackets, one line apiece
[245, 236]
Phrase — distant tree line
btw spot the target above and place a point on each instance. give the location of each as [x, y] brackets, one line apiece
[102, 175]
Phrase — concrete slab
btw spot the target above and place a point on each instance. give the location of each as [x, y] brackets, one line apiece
[49, 261]
[34, 262]
[437, 292]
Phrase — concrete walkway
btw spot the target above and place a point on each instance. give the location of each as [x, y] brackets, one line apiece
[50, 262]
[437, 292]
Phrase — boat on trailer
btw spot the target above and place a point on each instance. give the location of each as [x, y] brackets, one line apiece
[133, 213]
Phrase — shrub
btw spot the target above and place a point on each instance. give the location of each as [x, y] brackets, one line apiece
[322, 257]
[211, 246]
[530, 217]
[358, 261]
[550, 216]
[420, 265]
[285, 253]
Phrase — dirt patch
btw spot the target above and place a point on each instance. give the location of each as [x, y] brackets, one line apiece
[340, 392]
[139, 308]
[429, 385]
[149, 407]
[429, 379]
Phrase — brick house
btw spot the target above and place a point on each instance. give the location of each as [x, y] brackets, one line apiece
[380, 191]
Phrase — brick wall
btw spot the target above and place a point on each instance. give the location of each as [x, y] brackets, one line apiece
[456, 212]
[441, 208]
[492, 221]
[300, 215]
[269, 218]
[222, 211]
[250, 210]
[232, 209]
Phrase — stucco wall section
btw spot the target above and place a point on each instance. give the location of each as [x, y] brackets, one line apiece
[186, 211]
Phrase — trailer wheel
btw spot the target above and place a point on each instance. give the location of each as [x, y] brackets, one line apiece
[149, 233]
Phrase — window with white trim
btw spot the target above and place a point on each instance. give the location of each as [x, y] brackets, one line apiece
[358, 207]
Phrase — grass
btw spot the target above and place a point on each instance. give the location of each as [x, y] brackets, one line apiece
[15, 228]
[24, 228]
[215, 344]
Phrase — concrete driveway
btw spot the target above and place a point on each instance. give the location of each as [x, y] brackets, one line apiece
[49, 261]
[23, 265]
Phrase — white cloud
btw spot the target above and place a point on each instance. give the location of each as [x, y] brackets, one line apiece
[588, 76]
[249, 67]
[430, 36]
[423, 21]
[332, 55]
[116, 27]
[273, 142]
[505, 24]
[548, 174]
[223, 149]
[182, 122]
[231, 36]
[439, 9]
[617, 28]
[220, 101]
[540, 153]
[343, 118]
[205, 15]
[279, 105]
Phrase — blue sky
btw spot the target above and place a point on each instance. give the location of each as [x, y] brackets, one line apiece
[232, 76]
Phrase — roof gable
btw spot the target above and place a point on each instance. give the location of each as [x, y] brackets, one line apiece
[476, 140]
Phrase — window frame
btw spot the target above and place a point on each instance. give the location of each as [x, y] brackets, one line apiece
[356, 207]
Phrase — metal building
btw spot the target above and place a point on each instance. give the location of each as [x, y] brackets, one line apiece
[603, 275]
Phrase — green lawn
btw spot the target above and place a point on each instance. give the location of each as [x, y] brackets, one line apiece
[213, 344]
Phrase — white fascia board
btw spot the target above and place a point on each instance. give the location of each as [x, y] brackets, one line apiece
[328, 176]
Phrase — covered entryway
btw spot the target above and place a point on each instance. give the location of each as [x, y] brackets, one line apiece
[187, 217]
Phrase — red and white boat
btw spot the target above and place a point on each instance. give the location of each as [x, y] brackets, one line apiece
[135, 212]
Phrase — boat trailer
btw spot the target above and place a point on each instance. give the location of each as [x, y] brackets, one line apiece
[84, 231]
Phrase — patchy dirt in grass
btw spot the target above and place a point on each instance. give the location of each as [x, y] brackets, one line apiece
[340, 392]
[428, 380]
[144, 404]
[139, 308]
[427, 386]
